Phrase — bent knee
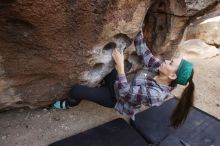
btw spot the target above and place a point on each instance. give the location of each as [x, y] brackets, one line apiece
[76, 89]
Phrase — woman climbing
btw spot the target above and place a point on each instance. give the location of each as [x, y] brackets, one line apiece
[150, 88]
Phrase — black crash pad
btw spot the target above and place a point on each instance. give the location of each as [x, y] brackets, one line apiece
[172, 140]
[114, 133]
[199, 129]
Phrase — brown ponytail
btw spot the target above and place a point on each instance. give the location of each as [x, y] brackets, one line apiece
[184, 105]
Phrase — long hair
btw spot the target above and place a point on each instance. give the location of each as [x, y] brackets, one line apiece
[184, 105]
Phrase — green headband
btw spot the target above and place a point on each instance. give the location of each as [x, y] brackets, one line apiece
[184, 72]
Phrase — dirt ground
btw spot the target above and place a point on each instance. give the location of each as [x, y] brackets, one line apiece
[25, 127]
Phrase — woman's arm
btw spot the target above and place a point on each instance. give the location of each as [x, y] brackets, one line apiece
[143, 51]
[138, 94]
[119, 61]
[133, 94]
[127, 92]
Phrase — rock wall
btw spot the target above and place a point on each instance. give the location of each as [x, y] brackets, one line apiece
[205, 28]
[46, 46]
[166, 21]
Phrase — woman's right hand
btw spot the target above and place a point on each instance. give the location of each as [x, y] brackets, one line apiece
[119, 61]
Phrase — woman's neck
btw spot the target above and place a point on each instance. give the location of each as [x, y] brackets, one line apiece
[162, 80]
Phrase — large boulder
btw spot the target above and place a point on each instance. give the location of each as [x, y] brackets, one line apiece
[166, 20]
[197, 49]
[46, 46]
[205, 28]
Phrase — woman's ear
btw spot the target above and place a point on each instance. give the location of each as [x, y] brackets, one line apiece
[172, 76]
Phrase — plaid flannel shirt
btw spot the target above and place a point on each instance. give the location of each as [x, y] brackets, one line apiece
[142, 89]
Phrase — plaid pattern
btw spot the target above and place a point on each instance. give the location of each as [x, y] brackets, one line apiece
[142, 89]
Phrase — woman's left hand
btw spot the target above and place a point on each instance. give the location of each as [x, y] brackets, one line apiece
[119, 61]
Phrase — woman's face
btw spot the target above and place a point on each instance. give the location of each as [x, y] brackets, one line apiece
[170, 67]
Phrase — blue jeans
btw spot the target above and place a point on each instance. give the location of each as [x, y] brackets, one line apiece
[103, 95]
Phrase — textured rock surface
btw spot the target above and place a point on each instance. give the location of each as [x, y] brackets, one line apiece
[166, 20]
[46, 46]
[205, 28]
[193, 7]
[196, 48]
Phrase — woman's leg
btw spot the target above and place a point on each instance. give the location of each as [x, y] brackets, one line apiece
[110, 80]
[104, 95]
[101, 95]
